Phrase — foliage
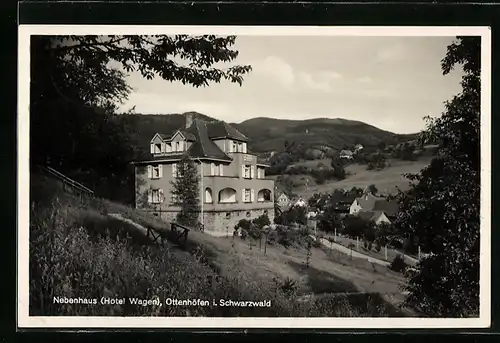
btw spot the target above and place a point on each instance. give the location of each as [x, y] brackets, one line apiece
[398, 264]
[355, 226]
[373, 189]
[442, 207]
[186, 191]
[77, 83]
[338, 169]
[244, 224]
[261, 221]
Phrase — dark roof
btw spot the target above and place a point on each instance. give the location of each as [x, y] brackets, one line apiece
[220, 129]
[204, 146]
[389, 207]
[188, 135]
[369, 215]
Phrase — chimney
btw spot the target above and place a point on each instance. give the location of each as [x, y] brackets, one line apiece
[189, 120]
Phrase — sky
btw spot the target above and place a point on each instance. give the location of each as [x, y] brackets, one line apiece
[388, 82]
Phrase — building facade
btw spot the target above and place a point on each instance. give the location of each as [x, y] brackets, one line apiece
[233, 185]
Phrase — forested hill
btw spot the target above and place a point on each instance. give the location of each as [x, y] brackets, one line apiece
[267, 134]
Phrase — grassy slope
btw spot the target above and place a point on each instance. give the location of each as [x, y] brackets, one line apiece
[121, 266]
[386, 180]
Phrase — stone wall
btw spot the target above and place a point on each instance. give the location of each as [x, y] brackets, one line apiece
[221, 223]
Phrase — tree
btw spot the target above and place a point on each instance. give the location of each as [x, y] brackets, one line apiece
[77, 83]
[372, 189]
[186, 191]
[441, 209]
[338, 169]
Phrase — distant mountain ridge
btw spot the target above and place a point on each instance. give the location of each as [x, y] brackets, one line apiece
[269, 134]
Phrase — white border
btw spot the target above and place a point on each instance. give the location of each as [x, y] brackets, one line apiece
[25, 321]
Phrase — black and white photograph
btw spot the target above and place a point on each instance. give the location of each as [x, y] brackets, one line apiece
[258, 177]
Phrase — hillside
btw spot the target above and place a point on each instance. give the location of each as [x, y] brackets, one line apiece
[81, 241]
[387, 180]
[267, 134]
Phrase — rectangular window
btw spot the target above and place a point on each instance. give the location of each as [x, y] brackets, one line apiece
[248, 195]
[247, 172]
[158, 148]
[155, 196]
[156, 172]
[235, 147]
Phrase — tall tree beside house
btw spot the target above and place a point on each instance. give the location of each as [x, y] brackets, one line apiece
[441, 209]
[78, 81]
[186, 191]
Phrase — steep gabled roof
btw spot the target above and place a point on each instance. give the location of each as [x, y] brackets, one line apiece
[390, 208]
[203, 145]
[189, 136]
[370, 215]
[220, 129]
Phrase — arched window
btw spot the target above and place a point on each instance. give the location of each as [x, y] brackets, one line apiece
[227, 195]
[208, 196]
[264, 195]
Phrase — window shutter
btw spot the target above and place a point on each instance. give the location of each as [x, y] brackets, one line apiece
[252, 172]
[152, 148]
[221, 169]
[162, 147]
[252, 195]
[230, 146]
[181, 146]
[243, 194]
[212, 169]
[244, 148]
[150, 196]
[174, 170]
[150, 172]
[160, 170]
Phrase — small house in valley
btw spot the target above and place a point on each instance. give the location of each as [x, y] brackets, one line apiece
[375, 206]
[346, 154]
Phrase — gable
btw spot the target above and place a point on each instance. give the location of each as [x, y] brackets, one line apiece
[157, 139]
[178, 136]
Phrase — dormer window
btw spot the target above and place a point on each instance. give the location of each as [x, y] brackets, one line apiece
[178, 146]
[158, 148]
[237, 147]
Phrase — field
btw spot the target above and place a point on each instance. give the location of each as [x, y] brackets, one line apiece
[74, 241]
[386, 180]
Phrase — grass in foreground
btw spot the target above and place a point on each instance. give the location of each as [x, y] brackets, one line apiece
[78, 251]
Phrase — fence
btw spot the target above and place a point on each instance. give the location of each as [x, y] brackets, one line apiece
[69, 185]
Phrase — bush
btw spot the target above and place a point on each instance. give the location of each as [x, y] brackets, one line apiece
[398, 264]
[261, 221]
[243, 224]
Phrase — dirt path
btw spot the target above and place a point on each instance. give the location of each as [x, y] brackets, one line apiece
[348, 251]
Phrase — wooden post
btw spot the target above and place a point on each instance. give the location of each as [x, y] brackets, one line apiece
[335, 235]
[419, 252]
[385, 252]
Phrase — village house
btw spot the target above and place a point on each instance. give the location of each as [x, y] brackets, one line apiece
[358, 148]
[233, 185]
[346, 154]
[377, 209]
